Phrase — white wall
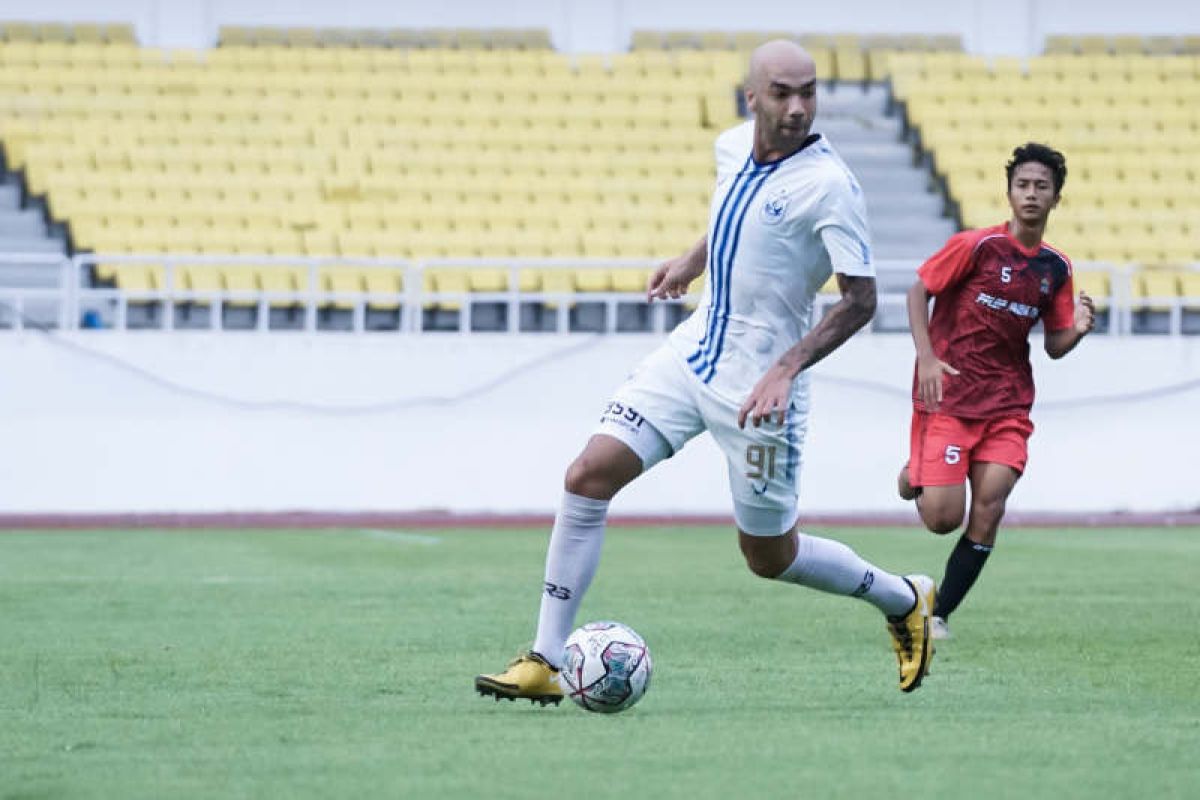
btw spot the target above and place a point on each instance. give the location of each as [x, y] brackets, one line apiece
[83, 432]
[1016, 27]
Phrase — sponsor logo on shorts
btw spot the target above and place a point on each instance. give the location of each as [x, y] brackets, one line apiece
[625, 416]
[759, 491]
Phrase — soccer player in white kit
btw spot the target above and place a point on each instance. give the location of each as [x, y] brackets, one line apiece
[785, 214]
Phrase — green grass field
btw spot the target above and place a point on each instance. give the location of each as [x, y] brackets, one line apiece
[339, 664]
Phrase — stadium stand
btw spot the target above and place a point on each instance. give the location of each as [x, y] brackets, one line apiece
[344, 144]
[286, 148]
[1129, 125]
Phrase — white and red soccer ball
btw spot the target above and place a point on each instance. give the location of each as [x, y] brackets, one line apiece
[606, 667]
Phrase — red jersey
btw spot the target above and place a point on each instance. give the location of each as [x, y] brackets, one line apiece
[989, 292]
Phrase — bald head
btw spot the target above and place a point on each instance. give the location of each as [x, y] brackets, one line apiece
[781, 91]
[780, 58]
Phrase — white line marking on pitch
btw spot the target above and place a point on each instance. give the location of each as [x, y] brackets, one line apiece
[400, 537]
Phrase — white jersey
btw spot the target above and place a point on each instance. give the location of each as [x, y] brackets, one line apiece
[776, 232]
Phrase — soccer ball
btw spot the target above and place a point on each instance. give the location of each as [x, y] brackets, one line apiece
[606, 667]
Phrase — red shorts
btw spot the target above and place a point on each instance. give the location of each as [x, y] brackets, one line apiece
[944, 447]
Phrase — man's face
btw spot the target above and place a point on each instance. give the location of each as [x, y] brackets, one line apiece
[784, 102]
[1031, 193]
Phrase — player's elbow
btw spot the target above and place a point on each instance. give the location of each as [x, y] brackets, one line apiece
[863, 305]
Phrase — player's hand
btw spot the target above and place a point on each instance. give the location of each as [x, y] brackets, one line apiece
[670, 279]
[1085, 314]
[769, 399]
[930, 375]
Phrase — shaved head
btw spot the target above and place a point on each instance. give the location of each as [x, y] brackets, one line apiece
[780, 57]
[781, 91]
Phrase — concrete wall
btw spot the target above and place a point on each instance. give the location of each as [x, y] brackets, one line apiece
[603, 25]
[110, 422]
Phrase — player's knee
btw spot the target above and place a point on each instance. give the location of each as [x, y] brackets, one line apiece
[766, 557]
[988, 509]
[588, 477]
[942, 520]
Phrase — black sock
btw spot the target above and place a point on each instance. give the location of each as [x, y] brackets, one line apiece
[962, 568]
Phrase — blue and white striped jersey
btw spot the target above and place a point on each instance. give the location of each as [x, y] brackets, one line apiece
[776, 232]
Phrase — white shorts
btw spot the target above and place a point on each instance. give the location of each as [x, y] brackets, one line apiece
[662, 406]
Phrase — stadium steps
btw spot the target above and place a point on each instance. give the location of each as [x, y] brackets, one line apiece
[23, 232]
[906, 211]
[23, 229]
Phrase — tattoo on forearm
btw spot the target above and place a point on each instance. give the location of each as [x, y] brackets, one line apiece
[852, 312]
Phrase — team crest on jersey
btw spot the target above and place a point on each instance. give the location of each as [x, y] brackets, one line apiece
[775, 207]
[1045, 286]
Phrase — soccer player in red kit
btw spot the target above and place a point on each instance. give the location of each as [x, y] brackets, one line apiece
[973, 383]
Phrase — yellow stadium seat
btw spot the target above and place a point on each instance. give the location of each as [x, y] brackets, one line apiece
[386, 284]
[138, 277]
[1096, 284]
[1094, 45]
[851, 64]
[529, 280]
[278, 279]
[241, 280]
[634, 281]
[343, 280]
[593, 280]
[452, 280]
[1156, 288]
[488, 279]
[1189, 287]
[1056, 45]
[199, 278]
[558, 280]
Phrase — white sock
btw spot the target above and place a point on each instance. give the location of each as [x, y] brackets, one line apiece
[833, 567]
[571, 561]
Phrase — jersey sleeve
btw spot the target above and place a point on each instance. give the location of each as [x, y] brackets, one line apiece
[842, 226]
[1062, 307]
[947, 266]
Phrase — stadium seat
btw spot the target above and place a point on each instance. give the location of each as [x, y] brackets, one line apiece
[488, 279]
[1156, 289]
[341, 280]
[632, 281]
[1097, 284]
[241, 282]
[138, 277]
[283, 280]
[385, 285]
[1113, 140]
[593, 280]
[198, 278]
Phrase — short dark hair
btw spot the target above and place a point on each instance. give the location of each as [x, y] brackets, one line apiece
[1041, 154]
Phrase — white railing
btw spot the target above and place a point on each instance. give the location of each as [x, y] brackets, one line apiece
[73, 303]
